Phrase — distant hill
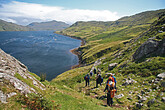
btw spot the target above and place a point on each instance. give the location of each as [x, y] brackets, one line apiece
[8, 26]
[50, 25]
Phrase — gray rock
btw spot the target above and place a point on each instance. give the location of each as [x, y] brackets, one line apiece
[9, 66]
[112, 65]
[129, 98]
[128, 82]
[150, 47]
[150, 102]
[139, 97]
[163, 84]
[11, 94]
[139, 105]
[161, 76]
[163, 99]
[143, 99]
[3, 98]
[119, 96]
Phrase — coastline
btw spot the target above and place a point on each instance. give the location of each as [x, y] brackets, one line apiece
[75, 50]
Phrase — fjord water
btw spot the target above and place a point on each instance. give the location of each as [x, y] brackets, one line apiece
[41, 51]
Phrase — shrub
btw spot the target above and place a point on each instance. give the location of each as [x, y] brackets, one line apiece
[43, 77]
[36, 102]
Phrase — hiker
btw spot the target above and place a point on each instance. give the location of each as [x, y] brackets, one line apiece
[87, 77]
[98, 79]
[91, 73]
[113, 80]
[95, 70]
[110, 87]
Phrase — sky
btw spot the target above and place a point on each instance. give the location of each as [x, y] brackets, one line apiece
[24, 12]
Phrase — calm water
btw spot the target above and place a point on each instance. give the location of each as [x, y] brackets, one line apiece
[41, 51]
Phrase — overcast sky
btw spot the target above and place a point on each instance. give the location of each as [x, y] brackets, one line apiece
[26, 11]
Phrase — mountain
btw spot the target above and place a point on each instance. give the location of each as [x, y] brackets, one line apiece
[7, 26]
[50, 25]
[101, 36]
[132, 49]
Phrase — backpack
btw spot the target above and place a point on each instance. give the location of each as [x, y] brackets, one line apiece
[101, 79]
[111, 86]
[91, 74]
[86, 77]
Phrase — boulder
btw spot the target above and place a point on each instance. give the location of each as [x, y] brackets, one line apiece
[161, 76]
[112, 65]
[163, 99]
[119, 96]
[128, 81]
[149, 48]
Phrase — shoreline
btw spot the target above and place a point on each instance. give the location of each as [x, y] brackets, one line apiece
[75, 50]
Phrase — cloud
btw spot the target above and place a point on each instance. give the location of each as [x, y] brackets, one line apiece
[16, 10]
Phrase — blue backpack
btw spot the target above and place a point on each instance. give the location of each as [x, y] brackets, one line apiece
[101, 80]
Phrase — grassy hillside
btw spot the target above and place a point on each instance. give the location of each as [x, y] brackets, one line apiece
[100, 34]
[107, 47]
[7, 26]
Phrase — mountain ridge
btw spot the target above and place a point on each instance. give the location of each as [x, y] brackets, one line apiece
[49, 25]
[8, 26]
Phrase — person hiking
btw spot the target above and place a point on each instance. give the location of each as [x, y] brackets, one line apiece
[113, 80]
[110, 87]
[98, 79]
[87, 77]
[91, 73]
[95, 70]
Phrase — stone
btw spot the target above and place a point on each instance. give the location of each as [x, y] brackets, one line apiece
[119, 96]
[161, 76]
[129, 98]
[139, 105]
[11, 94]
[112, 65]
[149, 48]
[128, 82]
[143, 99]
[3, 98]
[139, 97]
[163, 99]
[150, 102]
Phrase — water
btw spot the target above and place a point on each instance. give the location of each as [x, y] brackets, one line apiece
[41, 51]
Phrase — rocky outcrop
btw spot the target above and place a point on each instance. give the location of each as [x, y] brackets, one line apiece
[161, 76]
[128, 81]
[112, 65]
[16, 74]
[150, 47]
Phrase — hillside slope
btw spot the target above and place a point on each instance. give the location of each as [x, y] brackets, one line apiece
[50, 25]
[7, 26]
[101, 36]
[138, 64]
